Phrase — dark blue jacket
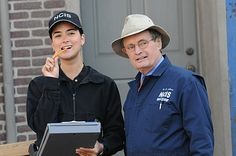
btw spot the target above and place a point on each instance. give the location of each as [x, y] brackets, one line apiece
[169, 115]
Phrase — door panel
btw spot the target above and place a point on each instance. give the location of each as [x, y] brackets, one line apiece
[103, 21]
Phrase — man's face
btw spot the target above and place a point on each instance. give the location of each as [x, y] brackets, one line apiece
[67, 36]
[143, 51]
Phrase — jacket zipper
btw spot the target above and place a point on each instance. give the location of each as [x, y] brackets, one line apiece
[74, 94]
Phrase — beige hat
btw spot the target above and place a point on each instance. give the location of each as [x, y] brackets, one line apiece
[134, 24]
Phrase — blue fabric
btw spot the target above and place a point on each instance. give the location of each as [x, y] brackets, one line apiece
[169, 115]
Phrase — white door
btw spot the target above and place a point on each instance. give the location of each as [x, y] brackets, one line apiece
[103, 21]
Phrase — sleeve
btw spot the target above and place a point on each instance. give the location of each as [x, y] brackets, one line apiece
[113, 128]
[197, 118]
[42, 104]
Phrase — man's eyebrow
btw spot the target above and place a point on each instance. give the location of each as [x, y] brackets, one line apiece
[138, 41]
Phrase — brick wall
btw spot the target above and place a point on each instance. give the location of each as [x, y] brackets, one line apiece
[30, 46]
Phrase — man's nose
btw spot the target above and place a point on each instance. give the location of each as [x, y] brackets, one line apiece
[137, 50]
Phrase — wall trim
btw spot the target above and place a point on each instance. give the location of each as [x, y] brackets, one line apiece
[211, 19]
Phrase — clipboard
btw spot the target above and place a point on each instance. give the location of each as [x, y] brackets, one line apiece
[63, 138]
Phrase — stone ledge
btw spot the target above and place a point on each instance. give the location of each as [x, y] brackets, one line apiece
[15, 149]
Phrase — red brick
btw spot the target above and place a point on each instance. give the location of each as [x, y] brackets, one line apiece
[54, 4]
[1, 96]
[2, 136]
[20, 99]
[21, 53]
[28, 24]
[21, 90]
[2, 117]
[40, 32]
[23, 128]
[42, 52]
[20, 119]
[22, 109]
[27, 6]
[28, 42]
[38, 62]
[21, 138]
[29, 72]
[18, 15]
[21, 63]
[19, 34]
[40, 14]
[21, 81]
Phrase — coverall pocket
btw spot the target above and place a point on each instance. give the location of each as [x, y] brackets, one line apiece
[159, 116]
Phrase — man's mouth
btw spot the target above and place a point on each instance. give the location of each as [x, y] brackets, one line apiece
[141, 58]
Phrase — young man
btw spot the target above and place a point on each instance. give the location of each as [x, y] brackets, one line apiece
[166, 111]
[69, 90]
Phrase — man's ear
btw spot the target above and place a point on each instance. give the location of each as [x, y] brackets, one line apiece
[159, 42]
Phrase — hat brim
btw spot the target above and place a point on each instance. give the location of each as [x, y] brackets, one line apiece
[117, 44]
[59, 21]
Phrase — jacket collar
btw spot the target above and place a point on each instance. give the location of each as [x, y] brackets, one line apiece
[87, 75]
[160, 69]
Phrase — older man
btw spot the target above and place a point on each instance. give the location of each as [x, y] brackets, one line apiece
[166, 111]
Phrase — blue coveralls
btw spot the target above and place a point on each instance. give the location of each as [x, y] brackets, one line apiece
[169, 116]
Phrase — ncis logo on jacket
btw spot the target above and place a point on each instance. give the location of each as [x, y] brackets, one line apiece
[164, 96]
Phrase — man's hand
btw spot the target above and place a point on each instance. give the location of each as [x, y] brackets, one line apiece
[98, 148]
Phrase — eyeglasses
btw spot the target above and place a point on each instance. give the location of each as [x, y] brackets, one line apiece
[141, 44]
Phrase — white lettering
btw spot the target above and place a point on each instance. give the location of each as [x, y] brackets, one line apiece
[62, 15]
[163, 99]
[165, 94]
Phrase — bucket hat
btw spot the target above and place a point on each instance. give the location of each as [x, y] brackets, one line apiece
[134, 24]
[64, 16]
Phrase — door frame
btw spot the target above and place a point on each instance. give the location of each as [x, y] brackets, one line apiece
[213, 64]
[212, 31]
